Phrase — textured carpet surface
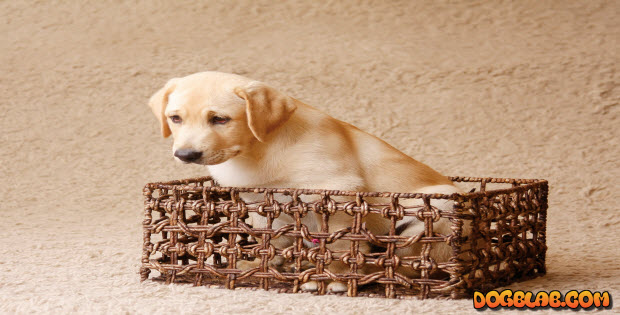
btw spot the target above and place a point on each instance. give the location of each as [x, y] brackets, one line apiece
[525, 89]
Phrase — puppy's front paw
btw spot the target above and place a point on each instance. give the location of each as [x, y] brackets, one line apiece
[337, 287]
[310, 286]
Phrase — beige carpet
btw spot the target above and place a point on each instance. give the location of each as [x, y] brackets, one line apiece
[516, 89]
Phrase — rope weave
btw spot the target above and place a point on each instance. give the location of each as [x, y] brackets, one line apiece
[196, 232]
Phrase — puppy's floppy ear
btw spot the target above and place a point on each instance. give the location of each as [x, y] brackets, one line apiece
[158, 103]
[266, 108]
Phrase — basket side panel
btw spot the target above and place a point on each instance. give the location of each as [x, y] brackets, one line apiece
[508, 239]
[205, 235]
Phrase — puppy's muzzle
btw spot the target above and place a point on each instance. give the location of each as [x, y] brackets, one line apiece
[188, 155]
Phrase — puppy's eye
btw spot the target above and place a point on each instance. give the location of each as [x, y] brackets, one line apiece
[176, 119]
[219, 120]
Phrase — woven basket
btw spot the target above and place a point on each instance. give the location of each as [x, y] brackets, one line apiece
[197, 232]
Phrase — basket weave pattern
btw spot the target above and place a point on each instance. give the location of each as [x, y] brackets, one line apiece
[197, 232]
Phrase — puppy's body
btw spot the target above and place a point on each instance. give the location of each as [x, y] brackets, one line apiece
[272, 140]
[314, 150]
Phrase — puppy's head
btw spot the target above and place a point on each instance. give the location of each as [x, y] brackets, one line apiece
[215, 116]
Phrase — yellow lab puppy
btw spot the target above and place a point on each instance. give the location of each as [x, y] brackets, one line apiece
[249, 134]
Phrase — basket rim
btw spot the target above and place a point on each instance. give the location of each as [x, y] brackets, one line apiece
[520, 185]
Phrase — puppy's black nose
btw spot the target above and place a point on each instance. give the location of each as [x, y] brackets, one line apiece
[187, 155]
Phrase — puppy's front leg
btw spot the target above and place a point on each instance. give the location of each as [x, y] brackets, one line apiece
[338, 222]
[258, 221]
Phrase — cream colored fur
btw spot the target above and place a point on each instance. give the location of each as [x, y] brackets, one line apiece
[273, 140]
